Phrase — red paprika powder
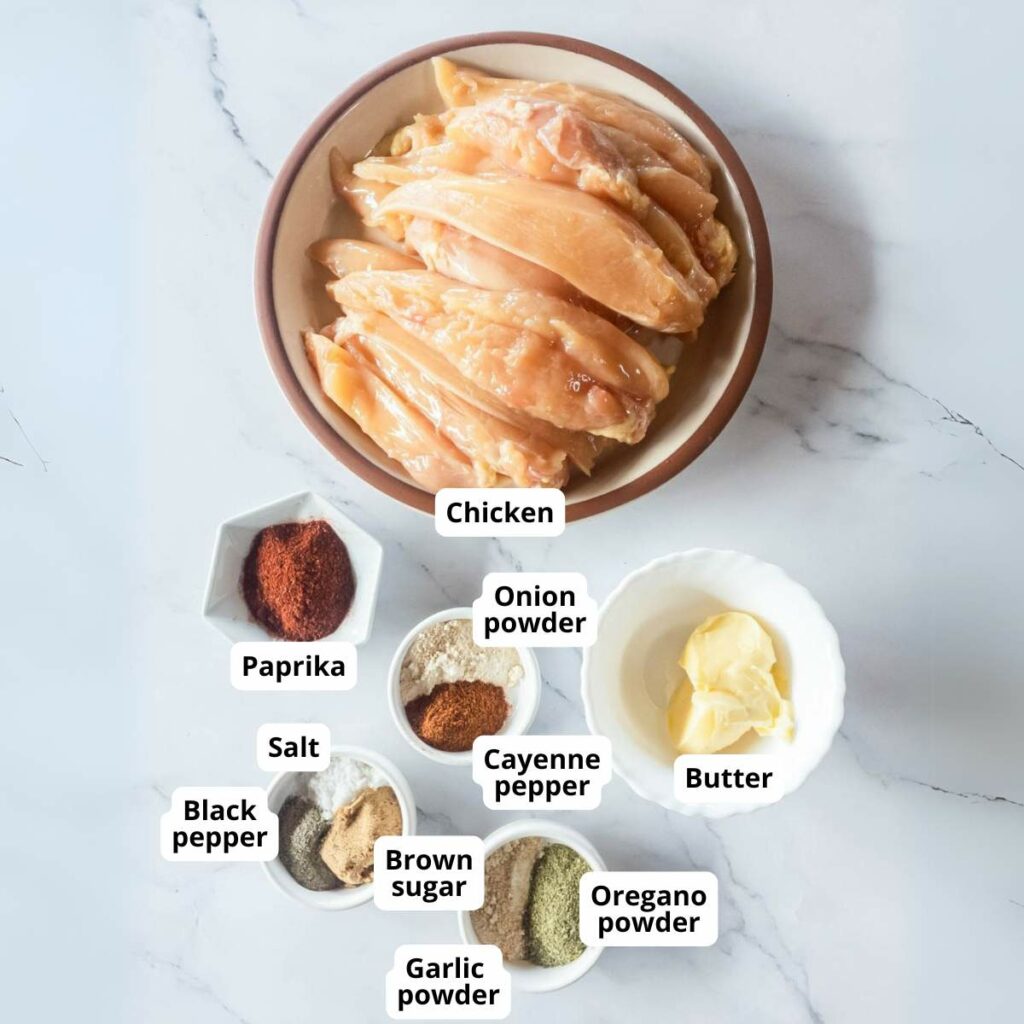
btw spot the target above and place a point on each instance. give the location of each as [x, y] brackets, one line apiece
[297, 580]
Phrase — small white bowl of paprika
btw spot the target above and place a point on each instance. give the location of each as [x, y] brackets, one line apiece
[225, 605]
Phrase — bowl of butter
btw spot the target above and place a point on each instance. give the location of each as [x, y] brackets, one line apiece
[724, 663]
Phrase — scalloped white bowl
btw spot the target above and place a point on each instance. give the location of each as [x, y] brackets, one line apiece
[643, 626]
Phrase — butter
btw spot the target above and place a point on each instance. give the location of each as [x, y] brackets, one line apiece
[730, 661]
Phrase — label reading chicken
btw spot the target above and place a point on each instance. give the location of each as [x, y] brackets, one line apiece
[534, 609]
[499, 512]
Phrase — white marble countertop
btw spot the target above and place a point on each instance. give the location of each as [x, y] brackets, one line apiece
[878, 458]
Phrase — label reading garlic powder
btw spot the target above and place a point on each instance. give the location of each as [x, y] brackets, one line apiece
[534, 609]
[219, 823]
[293, 665]
[728, 779]
[448, 982]
[649, 908]
[499, 512]
[553, 773]
[428, 872]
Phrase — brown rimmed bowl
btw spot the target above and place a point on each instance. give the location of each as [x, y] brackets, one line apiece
[712, 376]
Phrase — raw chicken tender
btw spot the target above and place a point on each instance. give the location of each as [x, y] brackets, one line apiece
[403, 433]
[537, 353]
[462, 257]
[343, 256]
[548, 141]
[496, 447]
[462, 87]
[594, 246]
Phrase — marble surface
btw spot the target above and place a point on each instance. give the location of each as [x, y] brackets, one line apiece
[879, 457]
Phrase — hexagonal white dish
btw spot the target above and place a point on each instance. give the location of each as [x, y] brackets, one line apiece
[225, 608]
[643, 626]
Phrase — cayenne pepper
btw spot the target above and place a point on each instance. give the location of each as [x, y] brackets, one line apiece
[297, 580]
[452, 715]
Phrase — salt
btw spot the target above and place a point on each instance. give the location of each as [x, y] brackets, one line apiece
[342, 781]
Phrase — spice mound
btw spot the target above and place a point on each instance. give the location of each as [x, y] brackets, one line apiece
[452, 715]
[329, 825]
[348, 847]
[297, 580]
[531, 906]
[454, 691]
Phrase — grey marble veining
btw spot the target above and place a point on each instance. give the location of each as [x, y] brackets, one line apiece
[878, 457]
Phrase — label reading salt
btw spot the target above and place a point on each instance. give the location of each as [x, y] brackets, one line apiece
[218, 823]
[553, 773]
[293, 747]
[428, 872]
[451, 982]
[728, 779]
[534, 609]
[499, 512]
[649, 908]
[293, 665]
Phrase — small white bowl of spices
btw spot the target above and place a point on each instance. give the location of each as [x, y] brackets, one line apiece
[444, 690]
[329, 822]
[531, 903]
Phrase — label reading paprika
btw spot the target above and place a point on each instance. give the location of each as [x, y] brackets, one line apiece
[272, 665]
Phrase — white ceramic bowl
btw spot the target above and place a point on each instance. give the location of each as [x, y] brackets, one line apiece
[643, 626]
[712, 376]
[285, 784]
[224, 606]
[530, 977]
[524, 697]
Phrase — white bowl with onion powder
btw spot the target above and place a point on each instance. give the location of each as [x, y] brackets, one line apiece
[429, 656]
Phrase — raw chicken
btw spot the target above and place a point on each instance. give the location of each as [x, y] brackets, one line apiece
[548, 141]
[676, 246]
[537, 353]
[403, 433]
[343, 256]
[581, 448]
[593, 245]
[462, 87]
[496, 447]
[690, 204]
[363, 195]
[458, 255]
[426, 162]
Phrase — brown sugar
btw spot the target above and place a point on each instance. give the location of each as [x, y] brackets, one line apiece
[348, 846]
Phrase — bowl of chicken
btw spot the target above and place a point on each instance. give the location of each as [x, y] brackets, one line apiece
[514, 260]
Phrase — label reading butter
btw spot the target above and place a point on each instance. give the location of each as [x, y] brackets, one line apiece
[499, 512]
[293, 747]
[451, 982]
[293, 665]
[534, 609]
[649, 908]
[428, 872]
[218, 823]
[553, 773]
[728, 778]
